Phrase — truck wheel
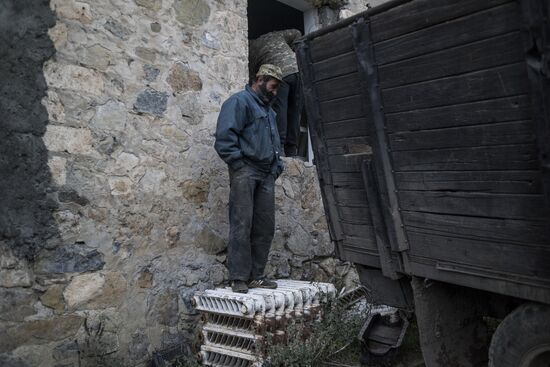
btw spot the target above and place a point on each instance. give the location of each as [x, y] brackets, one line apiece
[523, 338]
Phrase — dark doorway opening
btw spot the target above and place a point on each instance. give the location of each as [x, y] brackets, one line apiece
[270, 15]
[266, 16]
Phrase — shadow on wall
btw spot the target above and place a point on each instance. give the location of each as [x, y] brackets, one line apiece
[26, 203]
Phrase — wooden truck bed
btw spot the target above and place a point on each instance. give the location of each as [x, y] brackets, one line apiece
[430, 126]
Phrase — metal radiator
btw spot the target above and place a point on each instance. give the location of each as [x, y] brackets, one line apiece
[235, 326]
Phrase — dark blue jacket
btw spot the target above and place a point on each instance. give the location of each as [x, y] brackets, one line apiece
[247, 133]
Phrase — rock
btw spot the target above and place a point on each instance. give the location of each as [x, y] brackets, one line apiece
[163, 308]
[329, 266]
[181, 78]
[11, 361]
[155, 27]
[126, 162]
[14, 272]
[95, 291]
[146, 54]
[299, 242]
[145, 279]
[151, 72]
[210, 41]
[111, 116]
[120, 185]
[16, 303]
[139, 345]
[154, 5]
[72, 10]
[38, 332]
[191, 12]
[152, 180]
[97, 57]
[74, 78]
[58, 169]
[66, 350]
[69, 140]
[210, 241]
[53, 298]
[75, 258]
[117, 29]
[68, 195]
[196, 191]
[152, 102]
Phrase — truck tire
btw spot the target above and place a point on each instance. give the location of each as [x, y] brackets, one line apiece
[523, 338]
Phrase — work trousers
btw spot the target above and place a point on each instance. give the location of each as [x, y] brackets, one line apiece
[288, 106]
[252, 222]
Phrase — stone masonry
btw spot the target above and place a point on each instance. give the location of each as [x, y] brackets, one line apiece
[113, 202]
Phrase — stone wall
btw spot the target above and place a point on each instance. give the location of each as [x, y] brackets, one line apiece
[113, 202]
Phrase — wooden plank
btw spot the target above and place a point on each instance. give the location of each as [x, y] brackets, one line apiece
[361, 243]
[507, 258]
[361, 256]
[513, 206]
[515, 132]
[355, 214]
[346, 128]
[518, 182]
[484, 54]
[505, 157]
[339, 87]
[474, 27]
[342, 109]
[347, 163]
[355, 145]
[422, 14]
[502, 81]
[351, 197]
[513, 108]
[331, 44]
[352, 180]
[335, 66]
[359, 230]
[486, 229]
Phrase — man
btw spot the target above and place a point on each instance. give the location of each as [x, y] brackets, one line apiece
[276, 48]
[248, 141]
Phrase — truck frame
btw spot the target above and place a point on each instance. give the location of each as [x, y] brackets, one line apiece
[430, 125]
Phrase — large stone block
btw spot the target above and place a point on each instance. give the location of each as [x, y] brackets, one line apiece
[111, 116]
[95, 291]
[70, 140]
[74, 78]
[75, 258]
[191, 12]
[152, 102]
[16, 304]
[181, 78]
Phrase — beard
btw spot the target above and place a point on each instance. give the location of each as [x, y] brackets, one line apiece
[265, 96]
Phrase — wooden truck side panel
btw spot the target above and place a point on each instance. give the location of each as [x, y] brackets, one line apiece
[435, 99]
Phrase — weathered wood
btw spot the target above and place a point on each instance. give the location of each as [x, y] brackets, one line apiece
[368, 72]
[339, 87]
[317, 137]
[422, 14]
[502, 81]
[515, 132]
[463, 30]
[347, 163]
[358, 255]
[513, 206]
[361, 243]
[351, 197]
[351, 180]
[513, 108]
[330, 45]
[355, 214]
[359, 230]
[335, 66]
[505, 157]
[509, 258]
[518, 182]
[536, 46]
[484, 54]
[342, 109]
[352, 145]
[346, 129]
[482, 229]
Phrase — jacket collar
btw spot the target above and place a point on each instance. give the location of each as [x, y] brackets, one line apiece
[255, 96]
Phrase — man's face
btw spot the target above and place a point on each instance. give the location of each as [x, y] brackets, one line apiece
[268, 90]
